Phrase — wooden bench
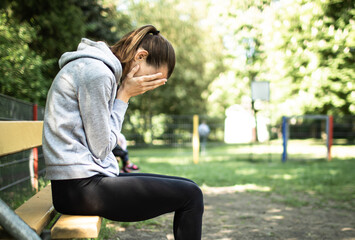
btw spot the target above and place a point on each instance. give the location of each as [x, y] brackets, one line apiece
[38, 211]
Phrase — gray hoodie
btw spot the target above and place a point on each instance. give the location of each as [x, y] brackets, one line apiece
[82, 117]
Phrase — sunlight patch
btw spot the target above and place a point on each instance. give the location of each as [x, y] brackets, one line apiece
[274, 218]
[246, 171]
[282, 176]
[347, 229]
[115, 227]
[274, 210]
[235, 188]
[175, 160]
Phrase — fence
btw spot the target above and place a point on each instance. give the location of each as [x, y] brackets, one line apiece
[15, 109]
[168, 130]
[343, 128]
[313, 136]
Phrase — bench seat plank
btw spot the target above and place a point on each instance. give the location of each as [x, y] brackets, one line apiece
[38, 211]
[70, 226]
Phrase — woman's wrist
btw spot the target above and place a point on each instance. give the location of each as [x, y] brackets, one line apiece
[121, 95]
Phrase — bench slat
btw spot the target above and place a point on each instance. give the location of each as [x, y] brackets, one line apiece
[69, 226]
[19, 135]
[38, 211]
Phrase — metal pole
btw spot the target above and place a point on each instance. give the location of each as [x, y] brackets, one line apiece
[330, 137]
[35, 152]
[195, 140]
[255, 120]
[14, 225]
[285, 138]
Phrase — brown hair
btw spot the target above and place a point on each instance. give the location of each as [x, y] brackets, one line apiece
[160, 51]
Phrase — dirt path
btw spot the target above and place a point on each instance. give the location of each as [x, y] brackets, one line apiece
[232, 214]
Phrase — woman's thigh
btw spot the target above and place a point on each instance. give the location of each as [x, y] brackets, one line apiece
[128, 197]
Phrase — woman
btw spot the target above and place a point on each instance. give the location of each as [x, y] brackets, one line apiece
[84, 113]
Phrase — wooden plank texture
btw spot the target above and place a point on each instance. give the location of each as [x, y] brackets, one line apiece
[38, 211]
[16, 136]
[69, 226]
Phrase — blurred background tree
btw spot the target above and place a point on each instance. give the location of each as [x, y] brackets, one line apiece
[241, 25]
[314, 43]
[55, 27]
[199, 59]
[21, 68]
[198, 55]
[305, 49]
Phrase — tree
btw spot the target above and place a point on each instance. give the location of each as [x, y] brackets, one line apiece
[102, 20]
[56, 27]
[316, 46]
[305, 49]
[195, 48]
[53, 27]
[198, 61]
[60, 24]
[21, 69]
[241, 24]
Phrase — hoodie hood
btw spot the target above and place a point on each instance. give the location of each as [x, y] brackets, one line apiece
[96, 50]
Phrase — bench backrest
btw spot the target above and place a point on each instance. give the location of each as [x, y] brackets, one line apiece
[37, 212]
[16, 136]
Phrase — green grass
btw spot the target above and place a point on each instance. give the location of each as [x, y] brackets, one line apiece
[230, 165]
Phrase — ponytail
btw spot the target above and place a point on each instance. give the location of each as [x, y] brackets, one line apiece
[160, 51]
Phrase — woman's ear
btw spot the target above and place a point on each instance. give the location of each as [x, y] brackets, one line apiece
[141, 54]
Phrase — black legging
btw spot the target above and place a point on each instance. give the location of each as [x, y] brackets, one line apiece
[134, 197]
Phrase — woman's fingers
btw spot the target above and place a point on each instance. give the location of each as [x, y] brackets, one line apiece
[152, 82]
[133, 71]
[150, 85]
[136, 85]
[151, 77]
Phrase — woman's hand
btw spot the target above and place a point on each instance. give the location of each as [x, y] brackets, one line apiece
[133, 86]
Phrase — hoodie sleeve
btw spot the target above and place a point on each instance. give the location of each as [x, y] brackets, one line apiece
[101, 125]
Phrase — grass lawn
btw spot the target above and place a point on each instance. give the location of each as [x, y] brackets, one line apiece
[261, 170]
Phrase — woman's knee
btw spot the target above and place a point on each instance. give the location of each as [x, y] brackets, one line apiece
[196, 197]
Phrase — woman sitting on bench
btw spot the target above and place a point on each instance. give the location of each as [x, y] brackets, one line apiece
[84, 113]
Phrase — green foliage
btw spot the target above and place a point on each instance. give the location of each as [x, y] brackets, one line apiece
[39, 32]
[318, 56]
[198, 62]
[305, 49]
[60, 24]
[242, 27]
[195, 50]
[52, 27]
[102, 20]
[21, 69]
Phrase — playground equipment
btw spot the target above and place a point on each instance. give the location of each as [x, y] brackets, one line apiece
[314, 126]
